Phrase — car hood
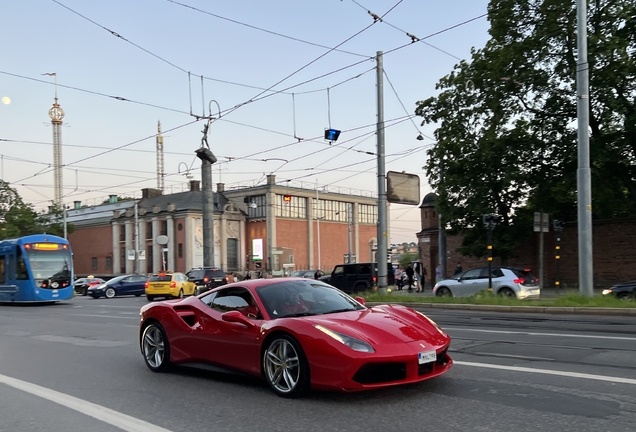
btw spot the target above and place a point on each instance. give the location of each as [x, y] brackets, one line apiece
[624, 284]
[388, 324]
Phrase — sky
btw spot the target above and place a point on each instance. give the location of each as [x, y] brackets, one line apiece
[265, 70]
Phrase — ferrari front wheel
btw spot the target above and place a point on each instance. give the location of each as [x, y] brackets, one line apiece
[155, 347]
[286, 369]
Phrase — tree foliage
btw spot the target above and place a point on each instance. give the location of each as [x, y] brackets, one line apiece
[18, 219]
[507, 131]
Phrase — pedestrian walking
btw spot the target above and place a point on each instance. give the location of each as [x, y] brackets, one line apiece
[438, 273]
[459, 268]
[418, 278]
[409, 277]
[398, 278]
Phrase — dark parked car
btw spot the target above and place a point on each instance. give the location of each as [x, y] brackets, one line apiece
[357, 277]
[82, 285]
[206, 278]
[623, 291]
[121, 285]
[308, 274]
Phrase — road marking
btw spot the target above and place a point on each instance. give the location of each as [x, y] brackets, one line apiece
[540, 334]
[106, 415]
[105, 316]
[549, 372]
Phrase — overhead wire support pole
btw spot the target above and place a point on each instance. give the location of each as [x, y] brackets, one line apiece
[207, 159]
[583, 173]
[382, 258]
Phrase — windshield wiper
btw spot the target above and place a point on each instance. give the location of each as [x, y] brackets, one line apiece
[298, 314]
[338, 310]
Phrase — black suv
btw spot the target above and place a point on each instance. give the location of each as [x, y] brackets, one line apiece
[206, 278]
[357, 277]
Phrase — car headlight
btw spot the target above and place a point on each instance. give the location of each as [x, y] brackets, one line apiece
[607, 291]
[351, 342]
[439, 329]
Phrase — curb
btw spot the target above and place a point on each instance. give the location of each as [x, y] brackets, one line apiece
[522, 309]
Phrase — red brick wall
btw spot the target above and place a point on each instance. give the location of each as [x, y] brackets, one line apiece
[365, 234]
[87, 243]
[333, 244]
[614, 245]
[293, 234]
[256, 230]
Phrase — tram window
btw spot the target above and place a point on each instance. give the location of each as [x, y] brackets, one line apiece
[21, 270]
[3, 269]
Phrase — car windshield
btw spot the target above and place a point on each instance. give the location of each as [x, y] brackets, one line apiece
[301, 298]
[115, 280]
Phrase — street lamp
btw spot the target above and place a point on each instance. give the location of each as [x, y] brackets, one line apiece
[490, 222]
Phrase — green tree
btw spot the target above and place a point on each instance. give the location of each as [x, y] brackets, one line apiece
[507, 121]
[407, 258]
[18, 219]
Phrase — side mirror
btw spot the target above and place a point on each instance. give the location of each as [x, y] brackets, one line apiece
[361, 300]
[237, 317]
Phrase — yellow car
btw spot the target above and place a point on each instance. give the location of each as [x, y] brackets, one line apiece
[169, 285]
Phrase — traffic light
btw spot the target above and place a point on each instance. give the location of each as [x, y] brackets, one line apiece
[491, 220]
[287, 198]
[332, 134]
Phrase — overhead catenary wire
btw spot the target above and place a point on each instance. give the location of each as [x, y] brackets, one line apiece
[401, 103]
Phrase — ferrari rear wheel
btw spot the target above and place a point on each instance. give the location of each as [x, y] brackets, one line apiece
[286, 369]
[155, 348]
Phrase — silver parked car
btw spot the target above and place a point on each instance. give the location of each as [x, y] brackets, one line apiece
[506, 282]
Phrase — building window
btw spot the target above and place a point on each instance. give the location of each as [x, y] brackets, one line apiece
[122, 260]
[94, 263]
[259, 211]
[296, 208]
[367, 214]
[109, 263]
[180, 250]
[122, 233]
[164, 227]
[149, 260]
[148, 230]
[232, 254]
[337, 211]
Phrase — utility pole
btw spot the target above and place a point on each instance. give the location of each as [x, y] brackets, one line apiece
[583, 174]
[541, 256]
[136, 237]
[558, 229]
[382, 223]
[318, 224]
[349, 224]
[207, 159]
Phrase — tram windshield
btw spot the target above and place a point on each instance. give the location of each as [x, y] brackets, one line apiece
[49, 260]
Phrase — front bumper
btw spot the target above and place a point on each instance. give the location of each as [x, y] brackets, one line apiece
[397, 366]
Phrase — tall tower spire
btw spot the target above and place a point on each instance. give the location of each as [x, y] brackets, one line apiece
[56, 113]
[160, 168]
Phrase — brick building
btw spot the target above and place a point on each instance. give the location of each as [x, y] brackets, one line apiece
[614, 250]
[263, 227]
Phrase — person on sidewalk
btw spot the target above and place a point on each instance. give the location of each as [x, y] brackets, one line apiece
[409, 276]
[459, 268]
[398, 278]
[438, 273]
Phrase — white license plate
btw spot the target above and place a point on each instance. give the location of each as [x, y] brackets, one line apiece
[426, 357]
[218, 280]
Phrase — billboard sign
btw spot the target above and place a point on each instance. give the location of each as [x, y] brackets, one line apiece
[402, 188]
[257, 249]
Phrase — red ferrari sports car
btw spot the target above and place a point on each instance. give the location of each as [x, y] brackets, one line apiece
[296, 333]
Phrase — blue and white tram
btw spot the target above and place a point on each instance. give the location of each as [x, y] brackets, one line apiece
[36, 269]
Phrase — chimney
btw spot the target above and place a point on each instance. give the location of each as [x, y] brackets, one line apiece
[77, 205]
[271, 179]
[195, 185]
[112, 199]
[150, 193]
[220, 187]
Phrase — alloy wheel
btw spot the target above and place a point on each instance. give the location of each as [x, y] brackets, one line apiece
[282, 366]
[110, 293]
[154, 347]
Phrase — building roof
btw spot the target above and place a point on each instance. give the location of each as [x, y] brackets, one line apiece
[191, 200]
[429, 200]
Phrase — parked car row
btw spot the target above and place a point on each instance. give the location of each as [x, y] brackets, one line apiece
[166, 284]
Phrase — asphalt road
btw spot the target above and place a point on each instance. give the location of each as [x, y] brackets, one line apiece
[76, 366]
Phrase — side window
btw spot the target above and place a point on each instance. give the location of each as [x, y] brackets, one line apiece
[3, 269]
[208, 298]
[239, 299]
[338, 270]
[497, 273]
[21, 272]
[228, 303]
[350, 269]
[472, 274]
[364, 269]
